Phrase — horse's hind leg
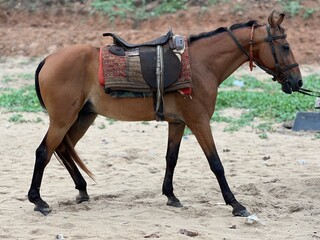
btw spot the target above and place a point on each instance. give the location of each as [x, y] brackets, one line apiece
[175, 134]
[44, 152]
[75, 133]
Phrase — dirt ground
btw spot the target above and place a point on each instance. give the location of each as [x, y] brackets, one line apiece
[49, 29]
[276, 178]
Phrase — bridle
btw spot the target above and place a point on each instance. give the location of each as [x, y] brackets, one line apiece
[279, 70]
[270, 39]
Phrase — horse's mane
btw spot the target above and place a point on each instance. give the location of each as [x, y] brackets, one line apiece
[193, 38]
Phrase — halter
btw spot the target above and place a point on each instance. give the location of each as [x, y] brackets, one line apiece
[270, 39]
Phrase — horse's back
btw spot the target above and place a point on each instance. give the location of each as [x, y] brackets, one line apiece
[73, 57]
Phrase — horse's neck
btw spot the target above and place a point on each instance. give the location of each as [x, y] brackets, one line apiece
[222, 56]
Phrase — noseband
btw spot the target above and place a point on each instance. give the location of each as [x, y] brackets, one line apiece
[270, 39]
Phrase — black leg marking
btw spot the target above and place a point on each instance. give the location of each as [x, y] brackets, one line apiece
[34, 191]
[175, 135]
[217, 168]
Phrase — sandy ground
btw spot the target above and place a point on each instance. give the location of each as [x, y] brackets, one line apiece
[276, 178]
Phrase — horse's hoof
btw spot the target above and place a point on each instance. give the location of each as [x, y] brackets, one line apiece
[174, 203]
[44, 210]
[82, 197]
[42, 206]
[242, 213]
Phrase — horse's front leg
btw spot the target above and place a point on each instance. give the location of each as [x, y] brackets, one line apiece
[202, 131]
[217, 168]
[174, 139]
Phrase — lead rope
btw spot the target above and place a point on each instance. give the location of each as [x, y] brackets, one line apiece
[251, 43]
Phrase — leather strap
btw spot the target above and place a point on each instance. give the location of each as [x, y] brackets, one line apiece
[237, 42]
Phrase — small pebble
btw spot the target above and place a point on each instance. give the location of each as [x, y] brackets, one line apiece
[266, 158]
[153, 235]
[253, 219]
[60, 236]
[302, 162]
[188, 232]
[233, 227]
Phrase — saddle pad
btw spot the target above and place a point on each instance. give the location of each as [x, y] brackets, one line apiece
[123, 73]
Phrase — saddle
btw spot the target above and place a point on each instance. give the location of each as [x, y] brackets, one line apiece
[160, 65]
[158, 41]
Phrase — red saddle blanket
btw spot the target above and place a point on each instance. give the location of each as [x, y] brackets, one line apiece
[123, 73]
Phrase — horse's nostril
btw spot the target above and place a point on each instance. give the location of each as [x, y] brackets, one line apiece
[300, 83]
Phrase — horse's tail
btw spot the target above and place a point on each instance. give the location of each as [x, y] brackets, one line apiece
[66, 154]
[37, 83]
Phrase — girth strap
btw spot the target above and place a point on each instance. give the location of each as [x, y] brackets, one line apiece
[159, 109]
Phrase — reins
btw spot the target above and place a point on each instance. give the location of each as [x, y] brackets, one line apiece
[309, 92]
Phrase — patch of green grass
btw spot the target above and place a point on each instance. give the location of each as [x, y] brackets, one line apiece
[217, 117]
[20, 100]
[291, 7]
[296, 7]
[38, 120]
[114, 9]
[236, 123]
[138, 11]
[111, 120]
[263, 100]
[308, 12]
[237, 8]
[17, 118]
[187, 132]
[26, 76]
[169, 6]
[11, 78]
[317, 136]
[263, 135]
[7, 78]
[265, 127]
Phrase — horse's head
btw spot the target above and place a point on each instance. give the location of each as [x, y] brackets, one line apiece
[276, 57]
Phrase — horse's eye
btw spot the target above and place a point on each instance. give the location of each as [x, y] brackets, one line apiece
[286, 47]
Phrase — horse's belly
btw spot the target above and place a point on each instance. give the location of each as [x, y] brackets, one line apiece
[126, 109]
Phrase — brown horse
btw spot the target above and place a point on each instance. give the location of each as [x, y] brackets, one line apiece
[67, 86]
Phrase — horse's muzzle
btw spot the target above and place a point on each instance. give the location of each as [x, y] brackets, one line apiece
[291, 85]
[300, 84]
[295, 85]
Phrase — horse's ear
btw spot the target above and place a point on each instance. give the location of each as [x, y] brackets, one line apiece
[273, 21]
[280, 19]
